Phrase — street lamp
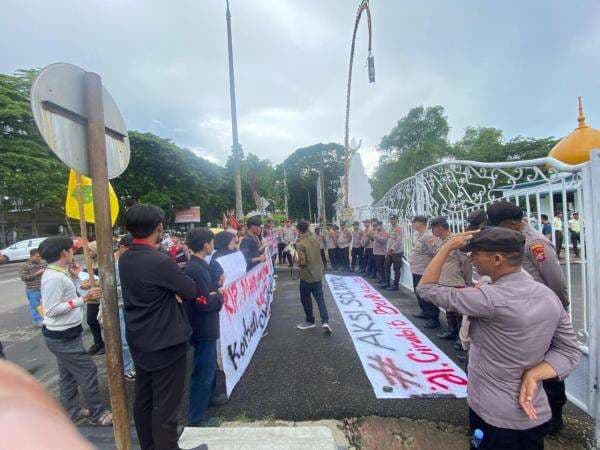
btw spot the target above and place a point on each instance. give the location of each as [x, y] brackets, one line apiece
[364, 6]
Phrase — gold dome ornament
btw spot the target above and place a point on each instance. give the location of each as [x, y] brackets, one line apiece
[575, 148]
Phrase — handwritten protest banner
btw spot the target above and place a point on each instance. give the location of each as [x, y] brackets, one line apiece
[245, 314]
[399, 360]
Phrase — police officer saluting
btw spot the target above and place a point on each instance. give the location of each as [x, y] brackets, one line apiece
[521, 335]
[541, 262]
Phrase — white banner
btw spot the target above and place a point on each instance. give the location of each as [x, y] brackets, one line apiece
[399, 360]
[233, 265]
[244, 317]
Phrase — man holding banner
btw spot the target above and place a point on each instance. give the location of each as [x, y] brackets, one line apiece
[521, 335]
[311, 277]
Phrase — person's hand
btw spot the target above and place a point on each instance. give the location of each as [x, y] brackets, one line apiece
[262, 258]
[40, 272]
[222, 279]
[529, 387]
[93, 295]
[178, 298]
[74, 269]
[86, 284]
[459, 240]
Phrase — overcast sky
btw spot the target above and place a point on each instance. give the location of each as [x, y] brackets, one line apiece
[515, 65]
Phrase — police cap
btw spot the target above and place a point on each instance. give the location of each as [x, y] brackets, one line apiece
[496, 239]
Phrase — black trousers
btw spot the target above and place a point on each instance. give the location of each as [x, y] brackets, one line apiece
[357, 257]
[575, 239]
[416, 279]
[495, 438]
[158, 395]
[280, 247]
[324, 258]
[332, 253]
[393, 260]
[557, 398]
[369, 262]
[316, 289]
[380, 267]
[92, 321]
[558, 235]
[343, 258]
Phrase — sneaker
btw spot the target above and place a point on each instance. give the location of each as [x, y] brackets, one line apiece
[448, 335]
[432, 323]
[327, 329]
[129, 376]
[305, 325]
[421, 315]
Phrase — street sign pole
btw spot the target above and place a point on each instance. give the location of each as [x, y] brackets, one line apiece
[83, 232]
[96, 140]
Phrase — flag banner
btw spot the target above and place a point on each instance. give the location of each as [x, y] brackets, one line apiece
[71, 204]
[398, 359]
[244, 317]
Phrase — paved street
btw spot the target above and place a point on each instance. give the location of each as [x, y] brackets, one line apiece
[294, 375]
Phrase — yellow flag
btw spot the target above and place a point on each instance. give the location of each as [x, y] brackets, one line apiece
[72, 207]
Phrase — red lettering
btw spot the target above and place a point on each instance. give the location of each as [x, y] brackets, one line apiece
[432, 357]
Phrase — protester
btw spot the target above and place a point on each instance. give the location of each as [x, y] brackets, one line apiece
[311, 278]
[224, 245]
[64, 335]
[358, 249]
[92, 309]
[178, 252]
[128, 368]
[457, 272]
[575, 232]
[380, 251]
[521, 336]
[270, 238]
[541, 262]
[251, 246]
[344, 237]
[371, 266]
[546, 227]
[31, 274]
[420, 256]
[331, 245]
[289, 236]
[557, 226]
[157, 327]
[280, 244]
[394, 255]
[203, 313]
[367, 245]
[319, 236]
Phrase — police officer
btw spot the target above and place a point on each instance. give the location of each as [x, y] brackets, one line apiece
[541, 262]
[420, 256]
[393, 258]
[521, 335]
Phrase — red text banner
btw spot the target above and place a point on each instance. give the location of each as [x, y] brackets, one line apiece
[399, 360]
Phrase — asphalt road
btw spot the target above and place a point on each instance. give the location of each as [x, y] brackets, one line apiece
[294, 375]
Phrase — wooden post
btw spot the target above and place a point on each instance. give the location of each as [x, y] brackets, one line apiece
[110, 311]
[83, 231]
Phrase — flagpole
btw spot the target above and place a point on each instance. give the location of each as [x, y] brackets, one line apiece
[83, 231]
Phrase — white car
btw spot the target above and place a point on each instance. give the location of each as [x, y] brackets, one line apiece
[19, 251]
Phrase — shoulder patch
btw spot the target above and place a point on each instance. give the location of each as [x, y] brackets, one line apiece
[538, 251]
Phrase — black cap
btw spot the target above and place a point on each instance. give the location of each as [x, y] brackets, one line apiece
[254, 221]
[496, 239]
[126, 240]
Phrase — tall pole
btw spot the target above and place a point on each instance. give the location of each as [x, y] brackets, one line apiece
[285, 194]
[309, 208]
[323, 203]
[364, 6]
[239, 212]
[110, 313]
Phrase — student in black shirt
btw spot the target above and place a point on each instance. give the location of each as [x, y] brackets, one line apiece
[251, 246]
[157, 327]
[203, 313]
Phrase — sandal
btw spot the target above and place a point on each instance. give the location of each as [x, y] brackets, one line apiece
[84, 413]
[105, 421]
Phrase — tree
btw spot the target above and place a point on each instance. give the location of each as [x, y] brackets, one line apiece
[302, 170]
[418, 140]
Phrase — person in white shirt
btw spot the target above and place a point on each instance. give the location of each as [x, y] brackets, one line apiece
[63, 332]
[575, 232]
[557, 226]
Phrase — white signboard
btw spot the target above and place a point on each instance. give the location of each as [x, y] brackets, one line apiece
[399, 360]
[245, 314]
[234, 267]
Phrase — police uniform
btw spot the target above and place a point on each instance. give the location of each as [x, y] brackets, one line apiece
[395, 251]
[541, 262]
[358, 250]
[516, 323]
[419, 258]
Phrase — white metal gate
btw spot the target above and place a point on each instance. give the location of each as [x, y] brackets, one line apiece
[541, 186]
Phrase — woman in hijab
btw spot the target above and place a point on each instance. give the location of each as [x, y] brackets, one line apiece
[225, 243]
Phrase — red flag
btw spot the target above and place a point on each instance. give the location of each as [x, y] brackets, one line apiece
[234, 222]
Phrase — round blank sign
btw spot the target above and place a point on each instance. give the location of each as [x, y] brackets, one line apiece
[58, 107]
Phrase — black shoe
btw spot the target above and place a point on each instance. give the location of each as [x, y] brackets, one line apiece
[96, 349]
[393, 288]
[458, 346]
[554, 426]
[462, 356]
[448, 335]
[432, 323]
[421, 315]
[218, 400]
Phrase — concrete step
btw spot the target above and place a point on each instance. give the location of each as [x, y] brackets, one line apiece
[263, 438]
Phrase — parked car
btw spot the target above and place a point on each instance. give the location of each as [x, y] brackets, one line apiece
[19, 251]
